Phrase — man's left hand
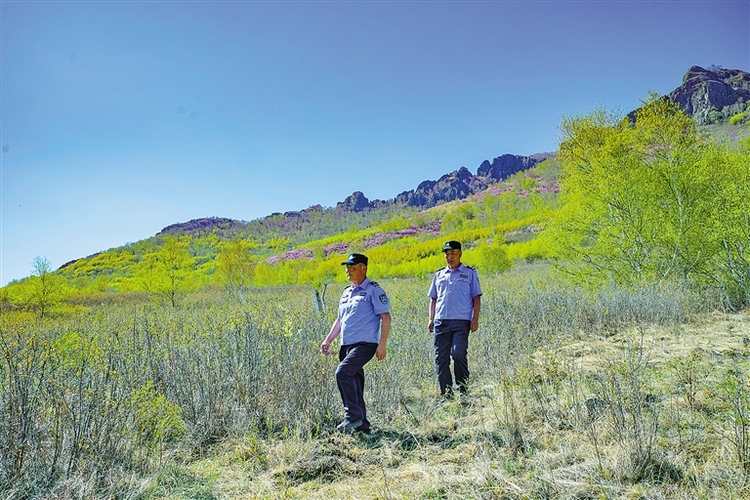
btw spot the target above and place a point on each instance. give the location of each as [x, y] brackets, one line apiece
[380, 353]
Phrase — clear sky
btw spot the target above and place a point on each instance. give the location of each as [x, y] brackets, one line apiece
[121, 118]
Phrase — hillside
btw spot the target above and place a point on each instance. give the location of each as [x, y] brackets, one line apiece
[429, 211]
[306, 246]
[713, 96]
[611, 359]
[357, 210]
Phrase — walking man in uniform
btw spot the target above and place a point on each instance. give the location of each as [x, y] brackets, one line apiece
[363, 311]
[455, 301]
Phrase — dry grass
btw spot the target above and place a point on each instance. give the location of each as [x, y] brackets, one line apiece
[464, 450]
[618, 394]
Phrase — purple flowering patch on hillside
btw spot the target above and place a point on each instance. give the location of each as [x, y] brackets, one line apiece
[297, 254]
[494, 191]
[542, 185]
[379, 239]
[335, 248]
[343, 247]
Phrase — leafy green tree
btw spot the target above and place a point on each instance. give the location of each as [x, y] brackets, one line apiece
[237, 267]
[733, 223]
[167, 274]
[643, 200]
[493, 258]
[635, 196]
[44, 289]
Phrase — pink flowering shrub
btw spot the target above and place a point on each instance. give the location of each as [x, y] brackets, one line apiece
[335, 248]
[297, 254]
[379, 239]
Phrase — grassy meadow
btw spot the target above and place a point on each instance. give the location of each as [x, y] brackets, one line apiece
[611, 362]
[638, 393]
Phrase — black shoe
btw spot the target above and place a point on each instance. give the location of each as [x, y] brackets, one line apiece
[447, 396]
[347, 426]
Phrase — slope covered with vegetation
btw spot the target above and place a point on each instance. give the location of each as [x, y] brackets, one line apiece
[611, 360]
[498, 223]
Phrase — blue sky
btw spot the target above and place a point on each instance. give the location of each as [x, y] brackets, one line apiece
[121, 118]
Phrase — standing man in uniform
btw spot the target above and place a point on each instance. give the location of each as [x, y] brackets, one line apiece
[363, 311]
[455, 301]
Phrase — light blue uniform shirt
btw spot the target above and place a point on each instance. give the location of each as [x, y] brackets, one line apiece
[455, 291]
[359, 312]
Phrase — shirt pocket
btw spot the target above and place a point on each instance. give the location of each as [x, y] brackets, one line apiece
[462, 284]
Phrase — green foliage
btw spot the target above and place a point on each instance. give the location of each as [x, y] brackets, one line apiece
[739, 118]
[493, 257]
[103, 264]
[167, 274]
[731, 272]
[647, 201]
[236, 267]
[156, 419]
[44, 290]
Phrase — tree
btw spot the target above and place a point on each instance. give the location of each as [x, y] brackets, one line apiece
[493, 258]
[237, 267]
[168, 270]
[640, 200]
[44, 288]
[733, 221]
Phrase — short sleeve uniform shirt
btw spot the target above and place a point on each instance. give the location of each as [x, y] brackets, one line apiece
[359, 312]
[455, 290]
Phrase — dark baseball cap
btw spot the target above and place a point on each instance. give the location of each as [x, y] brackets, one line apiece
[355, 258]
[451, 245]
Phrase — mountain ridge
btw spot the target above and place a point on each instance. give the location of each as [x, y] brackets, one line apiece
[709, 95]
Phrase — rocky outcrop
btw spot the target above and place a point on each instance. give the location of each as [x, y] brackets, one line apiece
[712, 95]
[504, 166]
[355, 202]
[461, 183]
[456, 185]
[202, 226]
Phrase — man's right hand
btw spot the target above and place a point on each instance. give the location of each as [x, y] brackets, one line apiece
[325, 347]
[431, 325]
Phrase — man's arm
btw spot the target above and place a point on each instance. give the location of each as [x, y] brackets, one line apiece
[431, 324]
[325, 347]
[385, 330]
[475, 313]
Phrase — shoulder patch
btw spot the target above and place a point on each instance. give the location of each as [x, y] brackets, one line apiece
[383, 298]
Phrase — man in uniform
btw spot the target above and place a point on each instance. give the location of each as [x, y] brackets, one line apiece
[455, 301]
[363, 311]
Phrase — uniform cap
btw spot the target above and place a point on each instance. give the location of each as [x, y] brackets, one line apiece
[355, 258]
[451, 245]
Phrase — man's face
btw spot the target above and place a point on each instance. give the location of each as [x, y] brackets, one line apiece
[453, 258]
[356, 272]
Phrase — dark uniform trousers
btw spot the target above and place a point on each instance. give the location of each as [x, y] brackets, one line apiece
[350, 377]
[452, 341]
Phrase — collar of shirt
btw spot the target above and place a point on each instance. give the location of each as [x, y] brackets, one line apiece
[362, 285]
[461, 267]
